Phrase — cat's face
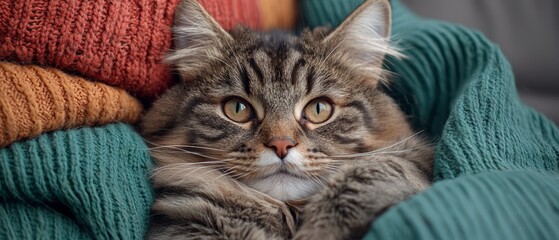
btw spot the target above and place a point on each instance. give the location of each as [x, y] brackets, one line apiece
[274, 111]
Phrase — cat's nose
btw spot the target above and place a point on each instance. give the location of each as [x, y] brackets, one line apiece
[281, 146]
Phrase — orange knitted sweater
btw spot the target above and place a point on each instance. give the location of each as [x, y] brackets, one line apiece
[34, 100]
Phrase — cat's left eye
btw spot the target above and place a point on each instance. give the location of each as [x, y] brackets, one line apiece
[318, 111]
[237, 110]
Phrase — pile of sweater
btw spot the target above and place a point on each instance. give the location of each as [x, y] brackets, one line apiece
[75, 76]
[74, 79]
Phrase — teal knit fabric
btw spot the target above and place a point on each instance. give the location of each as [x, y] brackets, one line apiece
[490, 205]
[458, 86]
[87, 183]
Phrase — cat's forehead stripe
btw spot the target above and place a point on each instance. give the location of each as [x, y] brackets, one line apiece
[256, 69]
[310, 80]
[296, 69]
[246, 81]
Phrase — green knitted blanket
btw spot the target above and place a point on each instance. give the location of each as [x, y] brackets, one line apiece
[497, 161]
[88, 183]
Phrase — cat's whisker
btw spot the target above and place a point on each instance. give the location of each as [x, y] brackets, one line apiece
[369, 154]
[195, 163]
[185, 177]
[337, 158]
[220, 176]
[379, 150]
[317, 180]
[185, 152]
[187, 166]
[187, 146]
[162, 169]
[184, 170]
[241, 175]
[182, 145]
[231, 172]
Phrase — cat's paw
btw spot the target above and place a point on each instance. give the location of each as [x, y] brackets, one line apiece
[348, 205]
[341, 211]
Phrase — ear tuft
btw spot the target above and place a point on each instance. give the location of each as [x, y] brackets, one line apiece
[363, 39]
[198, 38]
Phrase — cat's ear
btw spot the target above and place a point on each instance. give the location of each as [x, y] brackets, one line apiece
[197, 38]
[362, 40]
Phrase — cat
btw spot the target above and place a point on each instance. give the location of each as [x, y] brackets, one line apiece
[276, 136]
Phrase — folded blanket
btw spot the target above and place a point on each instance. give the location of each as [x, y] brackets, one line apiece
[34, 100]
[87, 183]
[458, 86]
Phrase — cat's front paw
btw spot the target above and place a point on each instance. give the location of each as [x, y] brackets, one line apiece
[342, 211]
[328, 225]
[351, 201]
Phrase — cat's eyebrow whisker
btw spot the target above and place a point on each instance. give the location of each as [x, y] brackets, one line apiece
[234, 55]
[333, 50]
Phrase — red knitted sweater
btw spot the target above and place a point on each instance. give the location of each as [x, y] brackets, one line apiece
[120, 43]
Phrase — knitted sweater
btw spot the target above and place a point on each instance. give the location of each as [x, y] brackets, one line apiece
[34, 100]
[76, 184]
[120, 43]
[497, 160]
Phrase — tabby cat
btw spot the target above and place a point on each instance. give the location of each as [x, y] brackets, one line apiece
[274, 136]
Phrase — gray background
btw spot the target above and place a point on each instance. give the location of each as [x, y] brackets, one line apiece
[527, 32]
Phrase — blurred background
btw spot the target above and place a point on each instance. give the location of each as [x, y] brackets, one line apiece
[526, 31]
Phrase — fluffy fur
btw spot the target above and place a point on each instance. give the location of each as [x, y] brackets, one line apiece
[220, 179]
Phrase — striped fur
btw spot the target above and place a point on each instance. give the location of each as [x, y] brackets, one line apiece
[218, 179]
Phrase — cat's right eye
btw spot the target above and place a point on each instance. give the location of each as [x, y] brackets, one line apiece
[238, 110]
[318, 111]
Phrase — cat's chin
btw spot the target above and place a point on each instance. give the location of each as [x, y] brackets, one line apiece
[285, 187]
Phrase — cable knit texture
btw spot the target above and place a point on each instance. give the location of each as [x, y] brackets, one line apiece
[120, 43]
[458, 86]
[87, 183]
[34, 100]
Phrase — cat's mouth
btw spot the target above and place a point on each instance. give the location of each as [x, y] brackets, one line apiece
[282, 171]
